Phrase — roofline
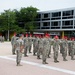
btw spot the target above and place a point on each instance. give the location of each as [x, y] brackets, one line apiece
[55, 30]
[57, 10]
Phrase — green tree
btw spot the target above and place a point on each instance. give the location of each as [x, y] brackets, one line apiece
[26, 18]
[30, 18]
[8, 22]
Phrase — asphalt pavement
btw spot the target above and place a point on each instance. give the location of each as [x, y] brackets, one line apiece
[31, 65]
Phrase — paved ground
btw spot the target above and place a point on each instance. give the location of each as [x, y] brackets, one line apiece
[32, 66]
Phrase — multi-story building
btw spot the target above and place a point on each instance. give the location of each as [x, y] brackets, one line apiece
[57, 22]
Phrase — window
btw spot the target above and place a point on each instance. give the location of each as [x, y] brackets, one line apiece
[46, 23]
[68, 13]
[56, 23]
[38, 25]
[46, 15]
[56, 14]
[74, 22]
[66, 23]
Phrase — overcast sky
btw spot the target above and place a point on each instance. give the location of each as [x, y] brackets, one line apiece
[42, 5]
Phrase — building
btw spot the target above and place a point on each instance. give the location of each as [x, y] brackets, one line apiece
[57, 22]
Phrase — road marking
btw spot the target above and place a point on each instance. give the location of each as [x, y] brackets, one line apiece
[41, 65]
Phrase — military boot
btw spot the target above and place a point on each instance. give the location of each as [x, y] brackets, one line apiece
[49, 56]
[64, 59]
[72, 58]
[44, 62]
[25, 55]
[38, 57]
[34, 54]
[30, 51]
[55, 60]
[17, 64]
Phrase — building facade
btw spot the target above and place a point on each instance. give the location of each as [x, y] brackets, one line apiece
[57, 22]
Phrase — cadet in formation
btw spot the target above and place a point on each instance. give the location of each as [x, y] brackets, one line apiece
[26, 45]
[50, 41]
[35, 45]
[30, 43]
[65, 48]
[72, 49]
[13, 41]
[56, 48]
[19, 49]
[40, 47]
[69, 47]
[46, 47]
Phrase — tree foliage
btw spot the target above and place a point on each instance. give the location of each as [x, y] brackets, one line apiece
[26, 18]
[18, 21]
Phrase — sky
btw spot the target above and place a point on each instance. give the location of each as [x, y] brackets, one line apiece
[42, 5]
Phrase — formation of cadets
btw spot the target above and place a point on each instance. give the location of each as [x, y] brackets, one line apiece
[42, 47]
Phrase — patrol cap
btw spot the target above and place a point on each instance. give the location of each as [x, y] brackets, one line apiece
[47, 34]
[65, 37]
[56, 37]
[72, 38]
[26, 35]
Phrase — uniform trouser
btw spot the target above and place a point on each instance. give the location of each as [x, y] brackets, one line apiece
[19, 56]
[25, 50]
[55, 55]
[30, 46]
[64, 54]
[49, 52]
[69, 51]
[72, 53]
[39, 52]
[60, 48]
[13, 49]
[35, 49]
[45, 55]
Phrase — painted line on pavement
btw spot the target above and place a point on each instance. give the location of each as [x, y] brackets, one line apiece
[41, 65]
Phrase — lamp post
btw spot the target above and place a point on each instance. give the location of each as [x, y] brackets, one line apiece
[8, 36]
[8, 27]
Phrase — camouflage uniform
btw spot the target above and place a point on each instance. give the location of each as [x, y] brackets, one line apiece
[50, 42]
[65, 47]
[61, 47]
[13, 41]
[69, 48]
[30, 44]
[35, 45]
[46, 47]
[19, 48]
[56, 50]
[26, 46]
[40, 49]
[72, 50]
